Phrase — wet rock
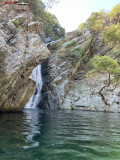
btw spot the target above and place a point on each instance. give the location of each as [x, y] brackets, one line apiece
[47, 40]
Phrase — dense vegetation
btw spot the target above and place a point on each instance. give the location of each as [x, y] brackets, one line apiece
[107, 23]
[51, 26]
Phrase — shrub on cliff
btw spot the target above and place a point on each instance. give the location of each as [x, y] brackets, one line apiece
[112, 34]
[82, 27]
[95, 22]
[80, 54]
[115, 14]
[100, 64]
[16, 23]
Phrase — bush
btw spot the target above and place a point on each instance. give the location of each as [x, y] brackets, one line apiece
[95, 22]
[78, 54]
[82, 27]
[115, 14]
[72, 44]
[16, 23]
[112, 34]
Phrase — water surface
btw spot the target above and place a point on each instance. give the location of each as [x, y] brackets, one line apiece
[59, 135]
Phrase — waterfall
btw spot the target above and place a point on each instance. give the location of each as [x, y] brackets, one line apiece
[36, 97]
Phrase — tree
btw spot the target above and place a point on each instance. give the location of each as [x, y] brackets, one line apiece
[81, 26]
[37, 7]
[95, 22]
[51, 26]
[100, 64]
[112, 34]
[115, 14]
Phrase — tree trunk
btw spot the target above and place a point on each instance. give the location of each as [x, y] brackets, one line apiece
[100, 92]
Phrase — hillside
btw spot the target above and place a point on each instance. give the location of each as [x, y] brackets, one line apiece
[68, 86]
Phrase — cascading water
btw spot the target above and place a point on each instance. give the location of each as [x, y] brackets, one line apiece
[36, 97]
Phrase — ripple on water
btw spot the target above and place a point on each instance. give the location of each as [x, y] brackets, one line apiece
[59, 135]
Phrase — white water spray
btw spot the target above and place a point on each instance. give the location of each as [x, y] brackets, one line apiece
[36, 97]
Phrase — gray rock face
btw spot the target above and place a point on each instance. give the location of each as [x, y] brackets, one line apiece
[47, 40]
[71, 89]
[21, 50]
[21, 18]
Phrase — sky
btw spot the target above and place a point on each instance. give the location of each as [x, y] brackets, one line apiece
[70, 13]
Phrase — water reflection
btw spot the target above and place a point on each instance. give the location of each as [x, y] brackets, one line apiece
[32, 118]
[59, 135]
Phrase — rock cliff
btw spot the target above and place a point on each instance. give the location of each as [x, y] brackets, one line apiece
[63, 71]
[21, 49]
[65, 84]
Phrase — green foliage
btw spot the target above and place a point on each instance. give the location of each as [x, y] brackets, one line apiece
[78, 54]
[115, 13]
[97, 21]
[94, 22]
[116, 74]
[112, 34]
[98, 25]
[53, 46]
[106, 64]
[16, 23]
[72, 44]
[79, 33]
[51, 26]
[82, 26]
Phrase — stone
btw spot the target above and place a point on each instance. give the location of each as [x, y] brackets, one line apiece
[11, 27]
[47, 40]
[57, 79]
[21, 18]
[35, 27]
